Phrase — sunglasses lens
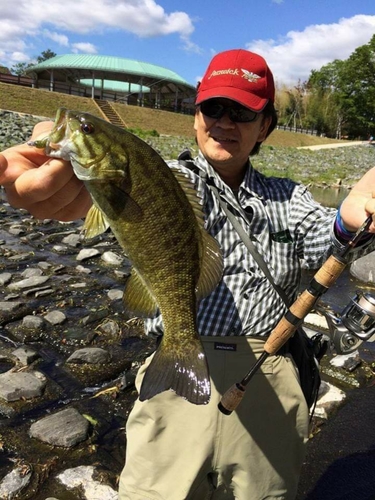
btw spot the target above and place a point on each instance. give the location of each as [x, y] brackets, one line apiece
[212, 109]
[242, 115]
[239, 114]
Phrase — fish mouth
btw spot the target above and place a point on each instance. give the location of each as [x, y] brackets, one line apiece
[65, 151]
[58, 150]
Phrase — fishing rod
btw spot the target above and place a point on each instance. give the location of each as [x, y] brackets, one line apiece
[322, 280]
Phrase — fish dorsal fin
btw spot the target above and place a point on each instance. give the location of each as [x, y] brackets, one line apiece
[95, 223]
[211, 266]
[192, 195]
[212, 259]
[138, 300]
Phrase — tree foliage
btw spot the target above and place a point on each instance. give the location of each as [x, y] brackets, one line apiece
[20, 68]
[342, 94]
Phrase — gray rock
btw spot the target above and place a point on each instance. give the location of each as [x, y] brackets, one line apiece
[17, 230]
[115, 294]
[73, 240]
[17, 385]
[65, 428]
[32, 271]
[14, 482]
[92, 355]
[82, 477]
[25, 355]
[88, 253]
[55, 317]
[61, 249]
[28, 283]
[364, 268]
[110, 327]
[84, 270]
[44, 265]
[10, 307]
[112, 258]
[5, 278]
[32, 322]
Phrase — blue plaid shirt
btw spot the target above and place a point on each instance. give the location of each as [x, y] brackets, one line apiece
[289, 229]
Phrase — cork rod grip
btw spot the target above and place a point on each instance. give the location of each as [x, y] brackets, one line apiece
[231, 399]
[325, 277]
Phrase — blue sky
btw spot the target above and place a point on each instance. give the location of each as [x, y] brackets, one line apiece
[295, 36]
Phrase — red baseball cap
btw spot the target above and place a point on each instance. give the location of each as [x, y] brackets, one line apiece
[239, 75]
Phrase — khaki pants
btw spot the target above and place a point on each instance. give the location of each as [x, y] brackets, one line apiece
[180, 451]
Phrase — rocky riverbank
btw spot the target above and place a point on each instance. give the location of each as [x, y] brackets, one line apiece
[68, 357]
[68, 353]
[326, 167]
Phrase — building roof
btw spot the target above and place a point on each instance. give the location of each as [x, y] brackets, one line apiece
[75, 67]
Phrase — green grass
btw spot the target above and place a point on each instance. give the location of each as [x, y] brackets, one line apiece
[169, 133]
[45, 104]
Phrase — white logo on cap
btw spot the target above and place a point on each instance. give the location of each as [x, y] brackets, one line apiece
[249, 75]
[220, 72]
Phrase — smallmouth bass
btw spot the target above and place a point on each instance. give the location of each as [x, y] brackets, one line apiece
[156, 216]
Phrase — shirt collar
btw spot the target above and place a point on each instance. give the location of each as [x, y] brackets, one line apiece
[251, 182]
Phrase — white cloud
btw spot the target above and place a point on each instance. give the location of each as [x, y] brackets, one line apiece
[144, 18]
[86, 48]
[19, 57]
[57, 37]
[292, 57]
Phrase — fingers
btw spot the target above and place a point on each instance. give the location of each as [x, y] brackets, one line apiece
[46, 187]
[370, 209]
[50, 191]
[73, 202]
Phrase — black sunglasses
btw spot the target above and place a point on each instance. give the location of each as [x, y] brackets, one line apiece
[213, 108]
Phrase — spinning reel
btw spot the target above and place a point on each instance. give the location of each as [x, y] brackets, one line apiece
[356, 322]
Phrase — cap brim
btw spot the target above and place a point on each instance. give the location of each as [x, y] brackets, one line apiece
[243, 97]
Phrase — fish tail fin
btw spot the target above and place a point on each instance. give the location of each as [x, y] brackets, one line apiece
[186, 373]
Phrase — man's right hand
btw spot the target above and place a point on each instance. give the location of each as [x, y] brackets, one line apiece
[46, 187]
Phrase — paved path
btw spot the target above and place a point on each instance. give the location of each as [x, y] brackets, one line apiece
[335, 145]
[340, 462]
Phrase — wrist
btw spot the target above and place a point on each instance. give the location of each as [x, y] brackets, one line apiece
[341, 228]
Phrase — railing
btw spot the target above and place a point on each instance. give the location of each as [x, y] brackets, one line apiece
[299, 130]
[16, 79]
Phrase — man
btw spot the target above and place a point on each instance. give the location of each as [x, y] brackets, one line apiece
[177, 450]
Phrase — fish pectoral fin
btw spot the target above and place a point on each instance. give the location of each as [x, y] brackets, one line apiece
[211, 266]
[186, 373]
[137, 298]
[122, 204]
[95, 223]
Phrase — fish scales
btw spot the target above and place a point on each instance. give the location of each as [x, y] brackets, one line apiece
[174, 260]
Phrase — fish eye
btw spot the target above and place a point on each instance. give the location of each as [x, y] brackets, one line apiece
[87, 128]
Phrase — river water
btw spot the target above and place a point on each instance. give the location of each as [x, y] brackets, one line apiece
[329, 197]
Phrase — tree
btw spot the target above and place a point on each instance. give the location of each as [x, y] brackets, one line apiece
[45, 55]
[358, 90]
[21, 68]
[326, 103]
[343, 94]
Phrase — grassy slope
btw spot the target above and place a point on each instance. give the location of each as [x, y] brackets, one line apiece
[43, 103]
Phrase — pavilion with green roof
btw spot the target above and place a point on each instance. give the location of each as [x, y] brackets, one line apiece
[114, 78]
